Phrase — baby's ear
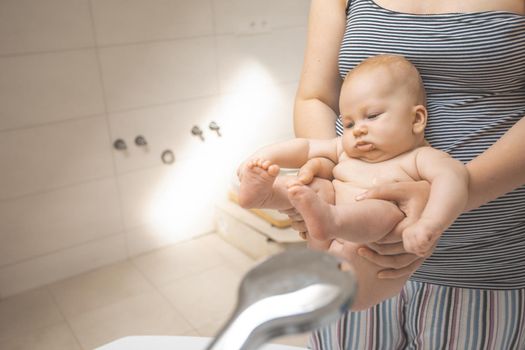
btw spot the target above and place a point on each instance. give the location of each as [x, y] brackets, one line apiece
[420, 119]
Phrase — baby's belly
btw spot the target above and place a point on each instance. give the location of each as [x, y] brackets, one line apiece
[346, 192]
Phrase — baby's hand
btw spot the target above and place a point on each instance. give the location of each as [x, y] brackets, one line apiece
[421, 237]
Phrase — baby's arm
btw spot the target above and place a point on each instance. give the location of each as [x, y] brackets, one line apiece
[448, 195]
[296, 152]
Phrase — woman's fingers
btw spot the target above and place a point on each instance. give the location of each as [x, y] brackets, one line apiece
[402, 272]
[411, 197]
[387, 249]
[388, 192]
[299, 226]
[396, 235]
[291, 211]
[292, 214]
[396, 262]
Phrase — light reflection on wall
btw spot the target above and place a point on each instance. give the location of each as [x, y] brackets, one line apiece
[183, 202]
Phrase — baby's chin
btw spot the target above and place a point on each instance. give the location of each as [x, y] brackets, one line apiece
[375, 156]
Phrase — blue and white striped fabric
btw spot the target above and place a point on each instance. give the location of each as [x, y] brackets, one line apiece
[473, 68]
[428, 316]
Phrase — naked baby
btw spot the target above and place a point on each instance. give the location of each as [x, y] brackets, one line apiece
[382, 107]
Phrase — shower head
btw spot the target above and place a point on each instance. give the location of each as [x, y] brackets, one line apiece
[292, 292]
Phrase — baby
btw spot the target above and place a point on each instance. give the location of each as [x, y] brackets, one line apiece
[382, 106]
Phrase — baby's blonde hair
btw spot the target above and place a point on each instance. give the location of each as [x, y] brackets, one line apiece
[401, 69]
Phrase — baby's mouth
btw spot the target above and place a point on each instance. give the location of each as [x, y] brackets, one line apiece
[364, 146]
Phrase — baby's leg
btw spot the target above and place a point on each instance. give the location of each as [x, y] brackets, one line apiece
[325, 190]
[261, 187]
[363, 221]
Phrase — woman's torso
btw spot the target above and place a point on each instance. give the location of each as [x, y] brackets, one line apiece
[422, 7]
[473, 67]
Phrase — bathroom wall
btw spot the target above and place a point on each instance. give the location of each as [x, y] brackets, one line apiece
[75, 75]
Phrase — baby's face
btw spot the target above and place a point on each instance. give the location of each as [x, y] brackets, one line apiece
[377, 116]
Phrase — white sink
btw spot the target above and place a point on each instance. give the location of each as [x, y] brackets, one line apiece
[173, 343]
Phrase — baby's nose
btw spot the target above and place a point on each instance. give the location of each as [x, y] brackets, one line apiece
[360, 129]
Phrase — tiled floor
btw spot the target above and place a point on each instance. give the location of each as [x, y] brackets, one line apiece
[185, 289]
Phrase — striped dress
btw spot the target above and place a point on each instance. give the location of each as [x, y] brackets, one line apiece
[470, 294]
[473, 69]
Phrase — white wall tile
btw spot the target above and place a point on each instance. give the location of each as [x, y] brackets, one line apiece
[156, 73]
[235, 16]
[65, 263]
[42, 88]
[253, 118]
[34, 25]
[250, 61]
[36, 225]
[171, 200]
[164, 127]
[143, 20]
[55, 144]
[55, 155]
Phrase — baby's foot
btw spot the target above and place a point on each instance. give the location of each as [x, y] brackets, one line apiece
[257, 181]
[421, 237]
[317, 214]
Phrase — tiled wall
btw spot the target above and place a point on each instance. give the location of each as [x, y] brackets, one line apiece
[75, 75]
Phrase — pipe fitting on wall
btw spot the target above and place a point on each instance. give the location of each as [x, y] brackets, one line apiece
[140, 141]
[120, 145]
[167, 157]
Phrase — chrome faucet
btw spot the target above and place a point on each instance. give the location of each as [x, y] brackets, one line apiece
[292, 292]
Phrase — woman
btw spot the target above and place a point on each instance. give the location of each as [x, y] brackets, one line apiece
[470, 294]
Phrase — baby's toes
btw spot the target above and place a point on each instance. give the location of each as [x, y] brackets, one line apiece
[273, 170]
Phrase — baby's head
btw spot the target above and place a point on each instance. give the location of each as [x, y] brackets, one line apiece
[383, 108]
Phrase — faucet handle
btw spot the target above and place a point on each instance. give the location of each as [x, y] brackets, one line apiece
[196, 131]
[215, 127]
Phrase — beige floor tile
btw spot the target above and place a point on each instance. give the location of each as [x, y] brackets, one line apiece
[27, 312]
[165, 265]
[237, 259]
[99, 288]
[192, 333]
[57, 337]
[211, 328]
[145, 314]
[206, 297]
[300, 340]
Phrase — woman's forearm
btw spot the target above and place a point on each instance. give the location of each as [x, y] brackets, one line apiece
[314, 119]
[499, 169]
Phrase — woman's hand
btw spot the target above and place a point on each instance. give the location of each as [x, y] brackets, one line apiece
[296, 218]
[411, 198]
